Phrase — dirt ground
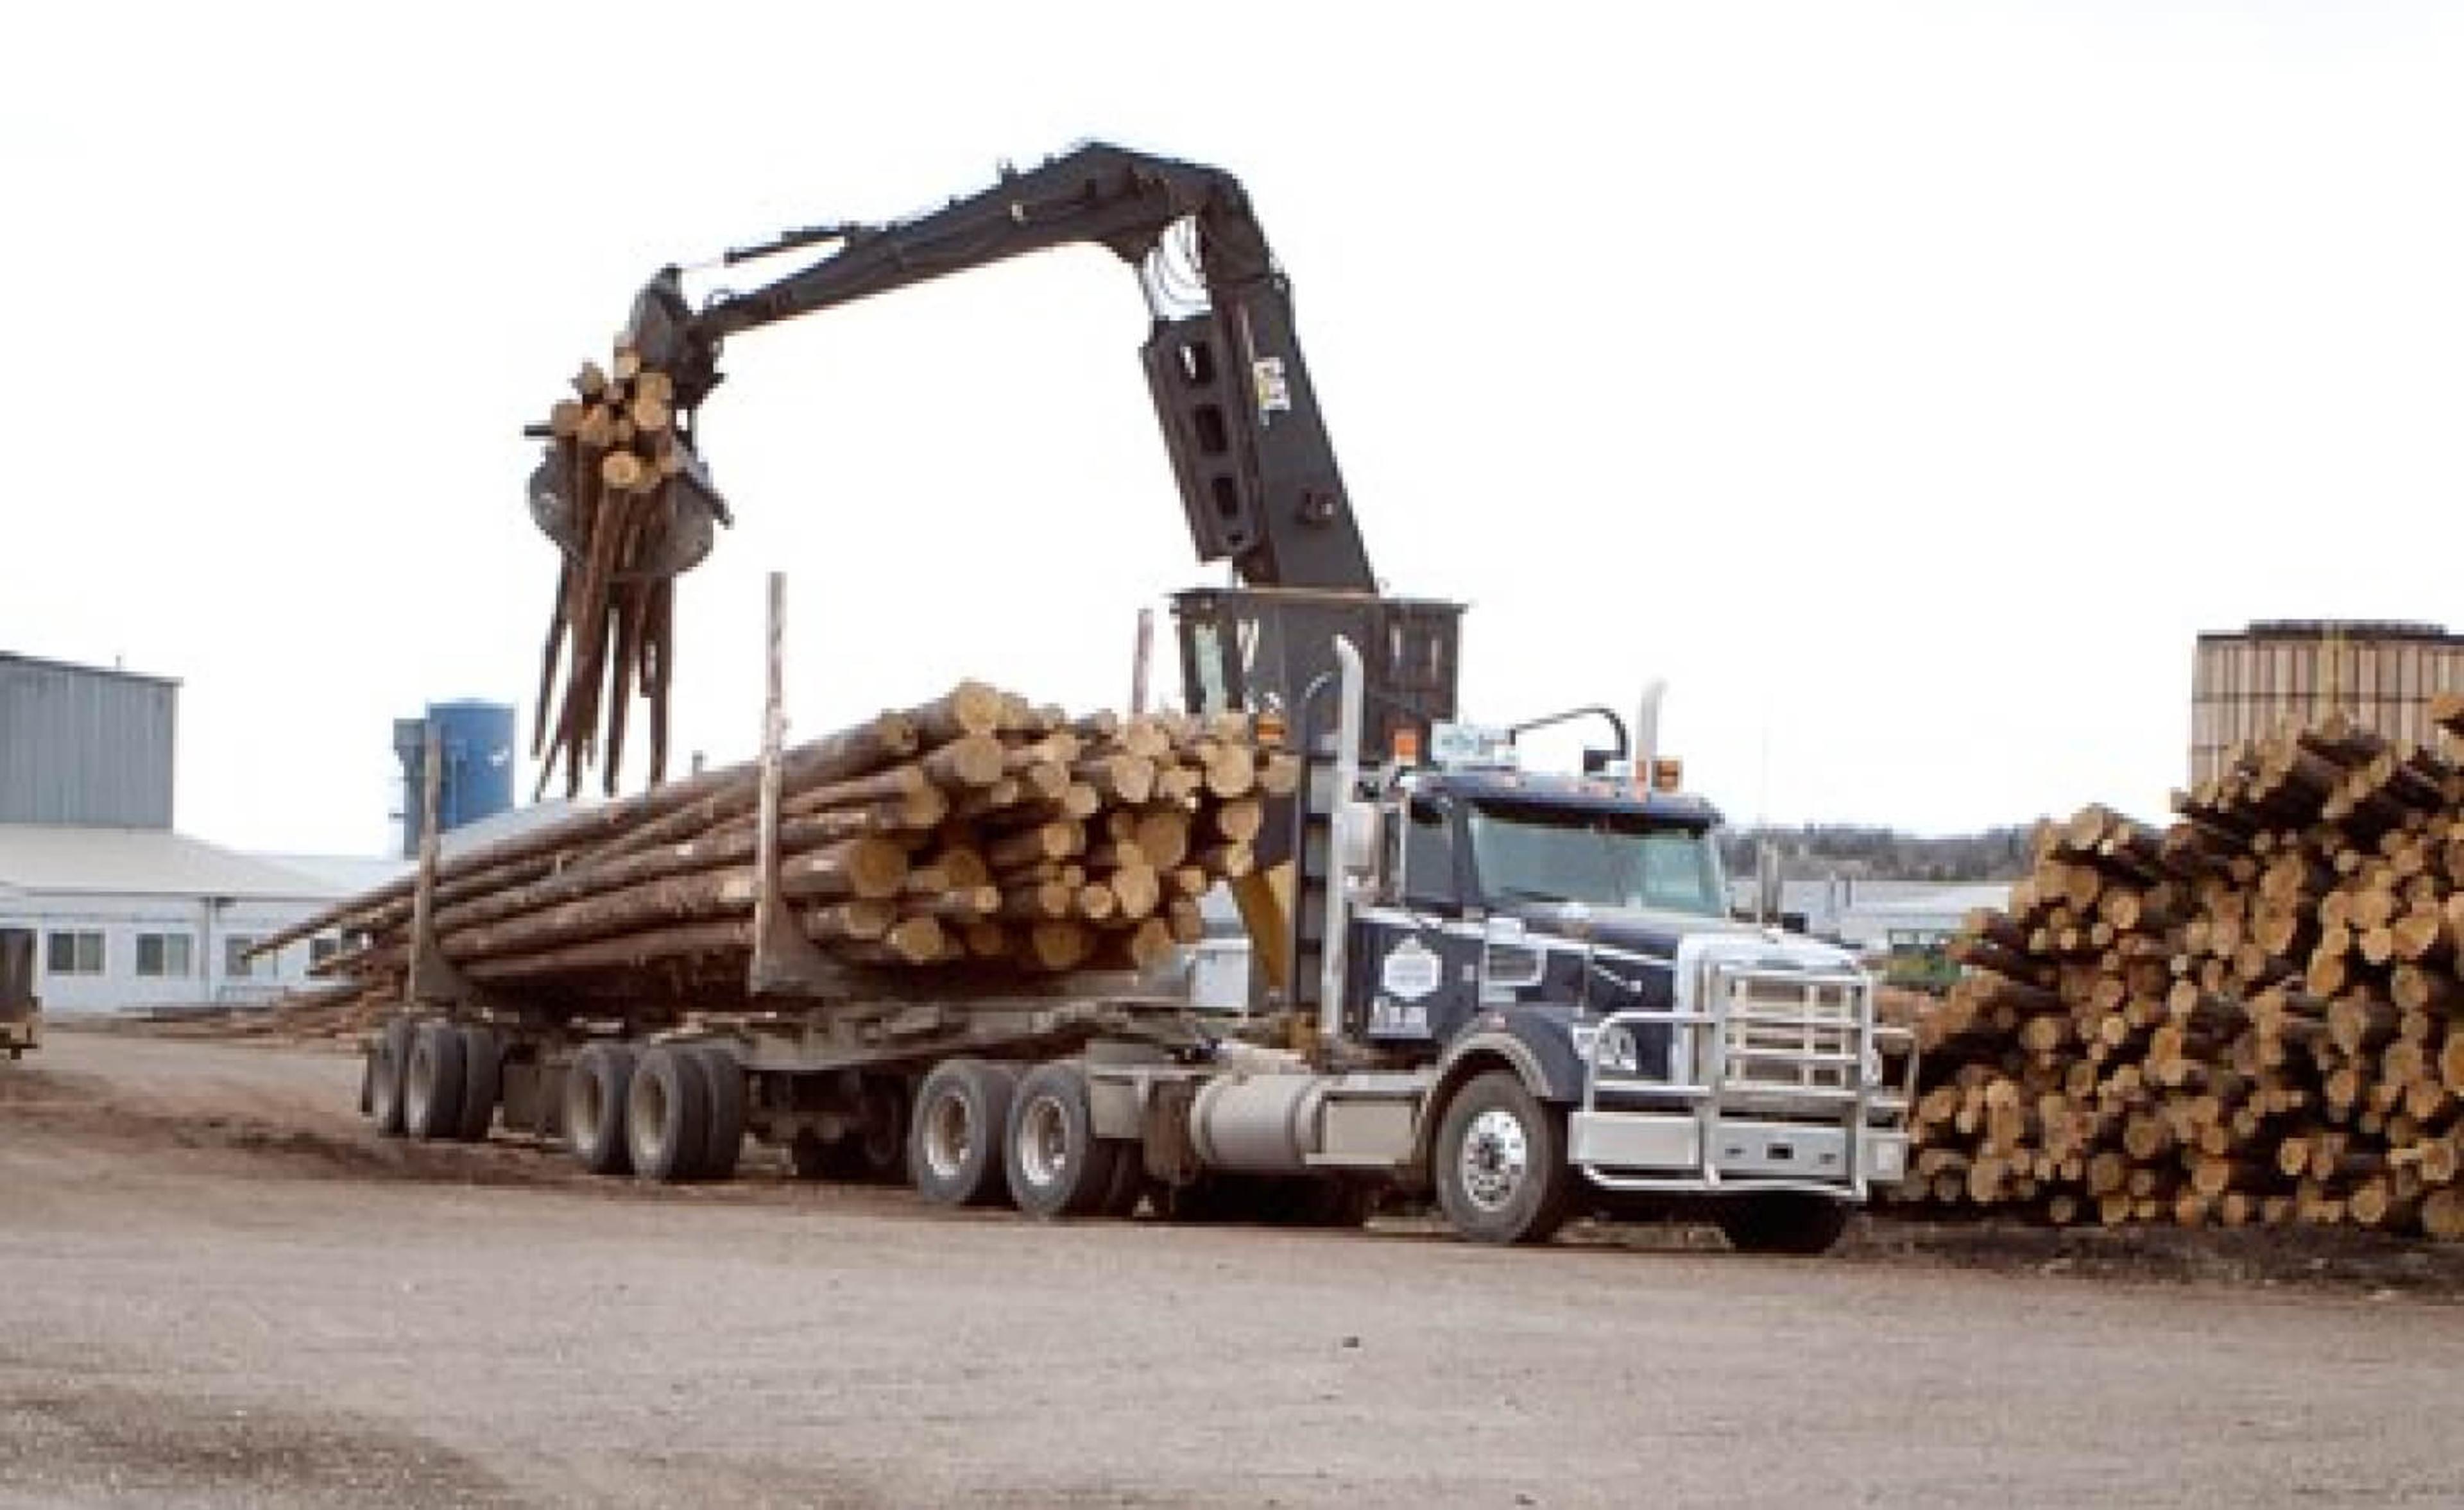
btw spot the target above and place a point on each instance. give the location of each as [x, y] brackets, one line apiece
[216, 1289]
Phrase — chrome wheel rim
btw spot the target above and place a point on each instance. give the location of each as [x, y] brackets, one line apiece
[1495, 1156]
[948, 1137]
[1043, 1141]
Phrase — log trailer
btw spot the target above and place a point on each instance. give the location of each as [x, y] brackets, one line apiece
[1518, 991]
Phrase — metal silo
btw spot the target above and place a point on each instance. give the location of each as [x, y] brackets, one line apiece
[2248, 685]
[474, 777]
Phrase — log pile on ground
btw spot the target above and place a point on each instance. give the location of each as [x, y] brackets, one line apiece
[616, 448]
[977, 833]
[2252, 1015]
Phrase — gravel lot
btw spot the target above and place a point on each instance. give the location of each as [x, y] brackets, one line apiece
[216, 1289]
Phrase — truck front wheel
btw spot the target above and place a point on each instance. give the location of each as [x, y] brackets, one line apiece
[1500, 1162]
[1784, 1221]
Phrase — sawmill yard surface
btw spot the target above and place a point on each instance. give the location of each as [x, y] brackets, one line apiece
[216, 1288]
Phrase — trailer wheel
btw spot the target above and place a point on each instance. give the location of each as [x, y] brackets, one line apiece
[1784, 1221]
[483, 1080]
[594, 1108]
[431, 1083]
[723, 1084]
[1057, 1165]
[667, 1114]
[388, 1053]
[1500, 1162]
[957, 1132]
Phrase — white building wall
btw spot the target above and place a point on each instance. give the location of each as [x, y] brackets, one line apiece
[121, 917]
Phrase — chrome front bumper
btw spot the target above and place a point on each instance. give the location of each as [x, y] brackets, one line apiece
[1761, 1095]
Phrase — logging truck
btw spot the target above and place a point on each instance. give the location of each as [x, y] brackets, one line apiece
[1518, 992]
[1521, 993]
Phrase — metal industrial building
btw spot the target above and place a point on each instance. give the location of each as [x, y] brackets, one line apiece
[86, 746]
[130, 913]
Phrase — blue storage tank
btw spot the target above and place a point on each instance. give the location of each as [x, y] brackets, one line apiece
[474, 779]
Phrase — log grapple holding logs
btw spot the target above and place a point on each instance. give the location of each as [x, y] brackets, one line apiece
[976, 833]
[2255, 1016]
[627, 502]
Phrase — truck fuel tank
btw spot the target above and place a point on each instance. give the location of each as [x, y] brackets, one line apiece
[1257, 1123]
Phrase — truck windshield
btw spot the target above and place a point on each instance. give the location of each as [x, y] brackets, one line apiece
[1537, 854]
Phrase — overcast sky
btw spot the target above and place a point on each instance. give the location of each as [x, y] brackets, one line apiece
[1907, 384]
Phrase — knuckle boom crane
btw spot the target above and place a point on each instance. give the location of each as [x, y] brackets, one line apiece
[1249, 448]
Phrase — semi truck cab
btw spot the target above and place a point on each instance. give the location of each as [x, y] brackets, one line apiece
[1545, 965]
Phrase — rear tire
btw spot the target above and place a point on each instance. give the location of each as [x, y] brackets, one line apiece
[957, 1132]
[431, 1083]
[388, 1053]
[1500, 1162]
[483, 1080]
[723, 1081]
[1057, 1165]
[667, 1114]
[594, 1108]
[1784, 1221]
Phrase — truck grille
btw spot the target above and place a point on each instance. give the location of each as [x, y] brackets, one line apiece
[1788, 1032]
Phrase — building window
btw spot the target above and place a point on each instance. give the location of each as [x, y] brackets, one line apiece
[74, 952]
[236, 964]
[170, 955]
[322, 947]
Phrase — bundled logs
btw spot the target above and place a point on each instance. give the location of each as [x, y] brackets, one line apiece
[2254, 1015]
[978, 832]
[615, 450]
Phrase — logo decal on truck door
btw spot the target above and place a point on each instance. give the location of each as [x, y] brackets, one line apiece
[1412, 971]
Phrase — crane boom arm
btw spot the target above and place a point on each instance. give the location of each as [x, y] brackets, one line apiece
[1249, 448]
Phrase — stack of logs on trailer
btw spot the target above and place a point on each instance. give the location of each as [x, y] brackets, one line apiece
[977, 833]
[2254, 1015]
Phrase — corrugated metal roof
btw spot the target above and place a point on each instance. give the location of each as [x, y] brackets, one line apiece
[88, 671]
[148, 862]
[344, 875]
